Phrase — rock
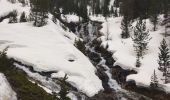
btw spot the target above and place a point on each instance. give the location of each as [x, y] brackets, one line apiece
[104, 96]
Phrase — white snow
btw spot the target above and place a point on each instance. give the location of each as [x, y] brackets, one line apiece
[124, 53]
[48, 48]
[6, 92]
[7, 7]
[71, 18]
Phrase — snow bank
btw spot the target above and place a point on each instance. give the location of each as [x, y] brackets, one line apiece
[6, 92]
[50, 48]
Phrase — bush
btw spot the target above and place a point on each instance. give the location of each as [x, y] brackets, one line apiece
[23, 17]
[80, 45]
[13, 17]
[25, 89]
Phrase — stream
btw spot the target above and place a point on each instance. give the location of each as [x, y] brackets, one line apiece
[103, 60]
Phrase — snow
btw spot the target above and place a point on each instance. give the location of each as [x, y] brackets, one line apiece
[47, 49]
[124, 53]
[7, 7]
[71, 18]
[97, 18]
[6, 92]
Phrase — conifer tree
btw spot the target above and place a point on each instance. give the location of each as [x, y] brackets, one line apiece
[166, 23]
[126, 27]
[80, 45]
[154, 80]
[140, 38]
[23, 17]
[116, 13]
[154, 20]
[164, 60]
[138, 62]
[64, 89]
[154, 12]
[106, 11]
[39, 12]
[13, 17]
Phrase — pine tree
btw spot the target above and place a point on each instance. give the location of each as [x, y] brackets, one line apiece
[164, 60]
[106, 11]
[154, 20]
[166, 23]
[154, 12]
[23, 17]
[13, 17]
[140, 38]
[154, 80]
[138, 62]
[64, 89]
[126, 27]
[80, 45]
[39, 12]
[116, 13]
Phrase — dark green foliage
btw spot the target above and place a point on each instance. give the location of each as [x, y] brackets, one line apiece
[154, 80]
[25, 89]
[140, 38]
[154, 12]
[105, 9]
[39, 12]
[23, 17]
[138, 62]
[64, 89]
[164, 60]
[13, 17]
[80, 45]
[126, 27]
[24, 2]
[116, 13]
[154, 20]
[143, 8]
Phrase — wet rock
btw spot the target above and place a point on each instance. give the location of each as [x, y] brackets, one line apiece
[103, 76]
[94, 57]
[120, 74]
[105, 96]
[153, 93]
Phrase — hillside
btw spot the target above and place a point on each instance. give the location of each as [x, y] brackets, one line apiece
[84, 50]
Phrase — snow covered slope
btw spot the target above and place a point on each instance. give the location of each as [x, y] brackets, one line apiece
[48, 48]
[6, 92]
[124, 53]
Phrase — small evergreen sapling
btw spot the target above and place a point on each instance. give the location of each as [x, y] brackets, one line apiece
[23, 17]
[154, 80]
[154, 20]
[80, 45]
[164, 60]
[64, 89]
[13, 17]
